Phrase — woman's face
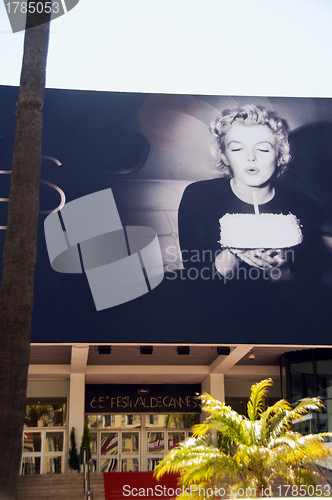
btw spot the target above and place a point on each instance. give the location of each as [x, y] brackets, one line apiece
[251, 153]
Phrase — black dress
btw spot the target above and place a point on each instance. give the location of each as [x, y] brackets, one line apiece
[204, 203]
[245, 309]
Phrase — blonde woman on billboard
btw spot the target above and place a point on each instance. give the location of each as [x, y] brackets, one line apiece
[252, 150]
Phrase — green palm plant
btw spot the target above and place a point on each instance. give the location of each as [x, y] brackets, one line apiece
[248, 453]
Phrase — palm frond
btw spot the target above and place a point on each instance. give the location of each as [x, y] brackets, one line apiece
[309, 404]
[271, 419]
[300, 452]
[197, 463]
[288, 439]
[223, 419]
[211, 468]
[189, 452]
[302, 408]
[256, 402]
[306, 477]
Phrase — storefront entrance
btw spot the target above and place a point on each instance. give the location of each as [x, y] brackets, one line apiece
[136, 442]
[133, 426]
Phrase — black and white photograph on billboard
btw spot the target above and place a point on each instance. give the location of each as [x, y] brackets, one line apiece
[181, 218]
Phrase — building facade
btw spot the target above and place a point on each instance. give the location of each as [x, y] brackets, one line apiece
[140, 405]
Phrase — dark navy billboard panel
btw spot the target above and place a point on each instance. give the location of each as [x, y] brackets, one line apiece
[143, 238]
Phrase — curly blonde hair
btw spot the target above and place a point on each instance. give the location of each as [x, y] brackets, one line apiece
[250, 114]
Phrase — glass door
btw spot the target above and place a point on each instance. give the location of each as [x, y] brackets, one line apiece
[130, 451]
[32, 453]
[43, 451]
[158, 444]
[155, 448]
[109, 451]
[116, 451]
[135, 442]
[125, 451]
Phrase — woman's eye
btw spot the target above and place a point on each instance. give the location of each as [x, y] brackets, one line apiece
[236, 149]
[264, 149]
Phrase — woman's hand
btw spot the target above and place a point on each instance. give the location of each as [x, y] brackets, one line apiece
[261, 258]
[271, 261]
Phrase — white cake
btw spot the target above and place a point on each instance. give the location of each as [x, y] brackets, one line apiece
[259, 231]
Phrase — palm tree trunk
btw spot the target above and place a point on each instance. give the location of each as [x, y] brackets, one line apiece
[19, 257]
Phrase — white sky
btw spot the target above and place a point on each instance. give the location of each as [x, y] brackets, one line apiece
[230, 47]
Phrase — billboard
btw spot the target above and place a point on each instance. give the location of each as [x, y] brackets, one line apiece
[115, 263]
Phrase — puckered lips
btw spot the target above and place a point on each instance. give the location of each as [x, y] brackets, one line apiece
[252, 170]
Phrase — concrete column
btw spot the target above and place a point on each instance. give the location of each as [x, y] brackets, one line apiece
[214, 384]
[76, 405]
[79, 357]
